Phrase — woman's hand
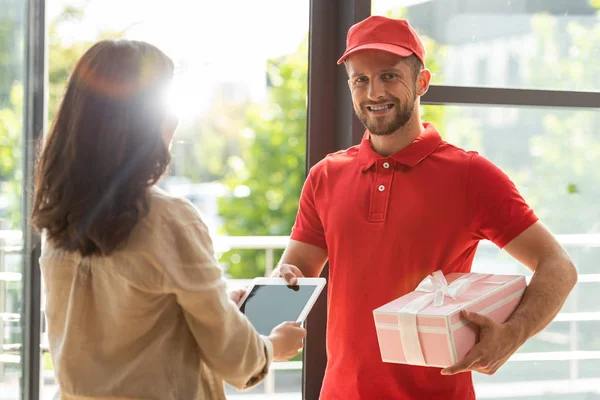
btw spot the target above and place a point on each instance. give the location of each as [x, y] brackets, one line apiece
[287, 339]
[236, 295]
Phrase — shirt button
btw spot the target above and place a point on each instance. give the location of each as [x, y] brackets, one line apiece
[386, 165]
[381, 188]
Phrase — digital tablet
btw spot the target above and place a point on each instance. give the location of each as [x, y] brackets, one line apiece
[270, 301]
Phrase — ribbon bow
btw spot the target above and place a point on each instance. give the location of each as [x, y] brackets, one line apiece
[437, 285]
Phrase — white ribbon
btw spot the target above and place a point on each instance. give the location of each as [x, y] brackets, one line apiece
[437, 288]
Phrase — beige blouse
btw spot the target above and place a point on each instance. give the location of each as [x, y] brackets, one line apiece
[151, 321]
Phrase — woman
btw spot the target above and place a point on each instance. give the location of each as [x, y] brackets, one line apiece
[136, 304]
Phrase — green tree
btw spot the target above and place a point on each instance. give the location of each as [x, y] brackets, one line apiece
[11, 113]
[271, 170]
[566, 149]
[11, 175]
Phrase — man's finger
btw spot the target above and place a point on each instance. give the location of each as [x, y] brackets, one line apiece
[290, 278]
[461, 366]
[457, 368]
[477, 319]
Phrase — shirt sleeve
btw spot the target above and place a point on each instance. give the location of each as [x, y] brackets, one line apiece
[496, 211]
[229, 344]
[308, 227]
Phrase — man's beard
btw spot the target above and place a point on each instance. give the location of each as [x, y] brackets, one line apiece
[403, 115]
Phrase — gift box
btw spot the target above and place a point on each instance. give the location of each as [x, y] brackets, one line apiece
[425, 327]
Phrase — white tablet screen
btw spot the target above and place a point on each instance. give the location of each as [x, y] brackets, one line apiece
[269, 305]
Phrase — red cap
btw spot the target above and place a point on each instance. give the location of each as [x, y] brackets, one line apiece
[380, 33]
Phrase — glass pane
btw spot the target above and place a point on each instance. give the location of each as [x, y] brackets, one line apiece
[553, 44]
[12, 38]
[553, 156]
[240, 92]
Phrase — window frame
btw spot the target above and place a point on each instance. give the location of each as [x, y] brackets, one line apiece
[34, 125]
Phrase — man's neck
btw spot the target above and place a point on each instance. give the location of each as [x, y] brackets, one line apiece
[387, 145]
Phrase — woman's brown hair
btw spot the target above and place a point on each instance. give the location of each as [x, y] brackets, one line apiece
[104, 149]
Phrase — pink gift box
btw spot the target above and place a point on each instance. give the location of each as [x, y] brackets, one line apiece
[424, 327]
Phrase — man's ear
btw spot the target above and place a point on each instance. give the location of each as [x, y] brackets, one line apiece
[423, 82]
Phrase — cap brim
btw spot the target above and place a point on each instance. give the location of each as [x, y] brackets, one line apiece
[387, 47]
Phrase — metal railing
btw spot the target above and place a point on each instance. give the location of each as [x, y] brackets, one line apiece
[9, 353]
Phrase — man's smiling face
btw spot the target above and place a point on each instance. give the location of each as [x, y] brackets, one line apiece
[384, 90]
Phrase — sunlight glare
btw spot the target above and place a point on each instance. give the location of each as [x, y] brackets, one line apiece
[180, 100]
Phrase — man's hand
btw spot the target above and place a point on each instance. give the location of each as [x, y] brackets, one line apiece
[497, 342]
[237, 295]
[288, 272]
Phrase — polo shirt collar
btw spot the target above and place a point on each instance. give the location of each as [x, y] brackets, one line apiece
[411, 155]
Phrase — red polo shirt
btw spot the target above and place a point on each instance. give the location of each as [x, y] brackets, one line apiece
[386, 223]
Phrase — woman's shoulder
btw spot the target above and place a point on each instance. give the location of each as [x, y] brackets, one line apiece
[168, 207]
[169, 217]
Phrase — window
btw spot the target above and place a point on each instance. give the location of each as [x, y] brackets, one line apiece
[12, 43]
[240, 92]
[556, 43]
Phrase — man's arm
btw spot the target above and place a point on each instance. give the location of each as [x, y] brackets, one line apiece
[300, 259]
[553, 279]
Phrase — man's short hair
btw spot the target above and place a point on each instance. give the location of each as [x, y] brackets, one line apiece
[416, 66]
